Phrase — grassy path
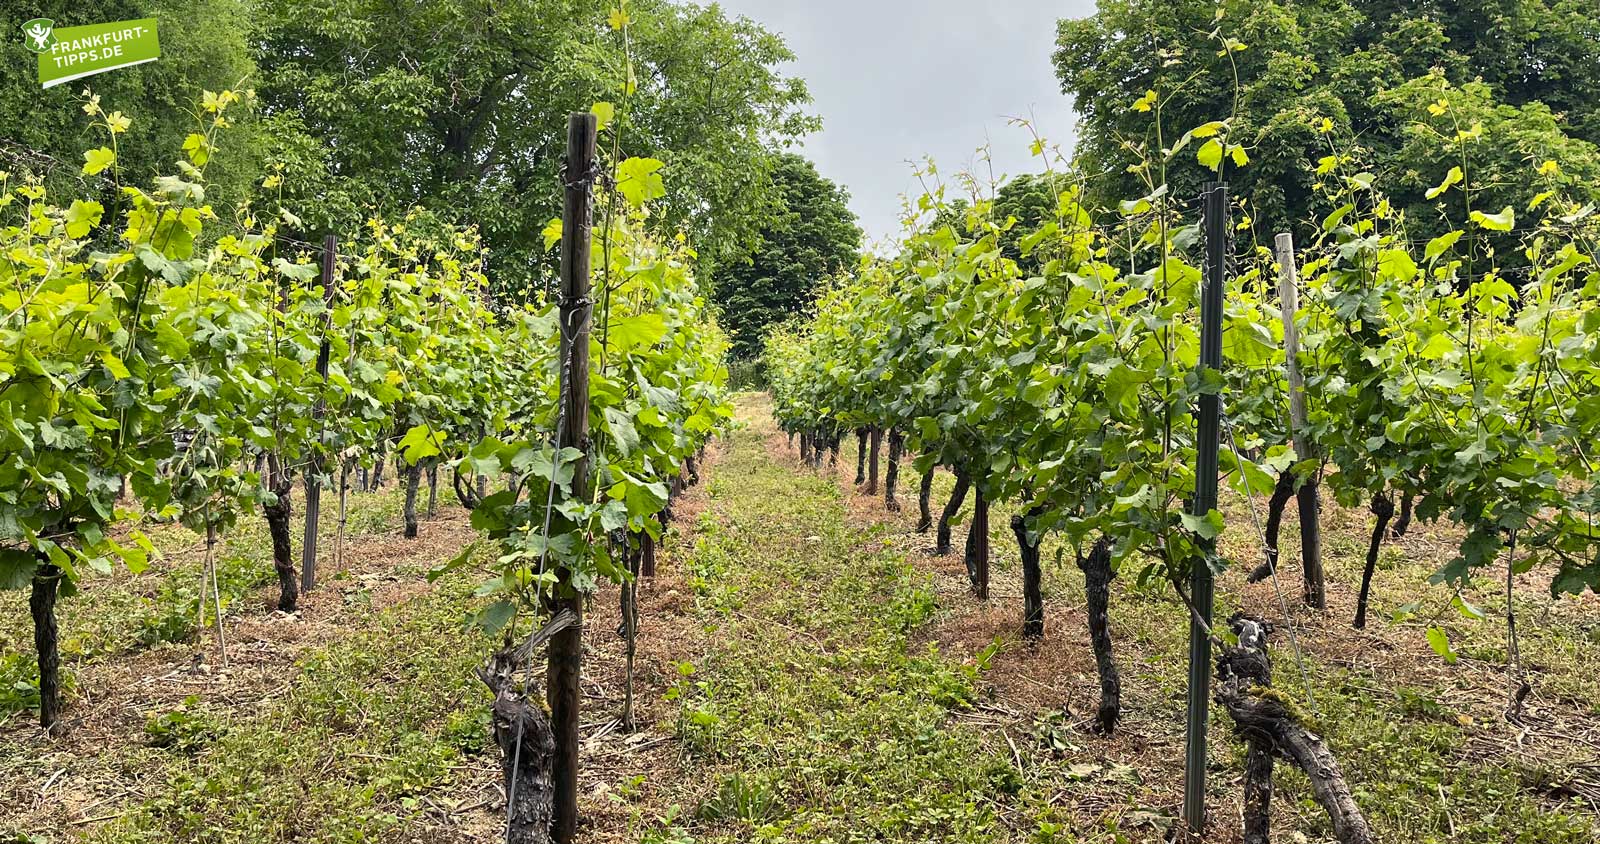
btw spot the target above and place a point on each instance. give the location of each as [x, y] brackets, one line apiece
[848, 688]
[806, 674]
[821, 717]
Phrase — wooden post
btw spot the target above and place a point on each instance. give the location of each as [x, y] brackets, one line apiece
[1207, 440]
[1307, 494]
[319, 412]
[566, 647]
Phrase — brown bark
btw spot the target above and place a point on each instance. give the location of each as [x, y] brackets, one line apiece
[1403, 524]
[873, 448]
[1244, 673]
[861, 456]
[977, 557]
[433, 487]
[958, 496]
[413, 481]
[924, 501]
[647, 556]
[1281, 493]
[1097, 577]
[46, 587]
[1032, 579]
[1258, 793]
[891, 475]
[277, 515]
[526, 738]
[1383, 508]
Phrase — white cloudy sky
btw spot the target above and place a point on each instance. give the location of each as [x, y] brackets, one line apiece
[895, 80]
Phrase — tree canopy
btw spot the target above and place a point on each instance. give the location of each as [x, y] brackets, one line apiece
[810, 234]
[43, 132]
[1402, 78]
[460, 106]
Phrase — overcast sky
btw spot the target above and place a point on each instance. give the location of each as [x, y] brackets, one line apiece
[896, 80]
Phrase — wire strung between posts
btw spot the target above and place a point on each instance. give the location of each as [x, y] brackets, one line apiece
[1283, 604]
[565, 380]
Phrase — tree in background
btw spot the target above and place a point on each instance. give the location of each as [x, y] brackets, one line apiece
[460, 106]
[204, 47]
[809, 234]
[1375, 70]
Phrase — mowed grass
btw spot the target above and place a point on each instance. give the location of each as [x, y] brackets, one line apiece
[843, 687]
[1421, 739]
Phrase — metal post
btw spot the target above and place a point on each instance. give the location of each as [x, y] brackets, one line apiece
[1207, 440]
[565, 663]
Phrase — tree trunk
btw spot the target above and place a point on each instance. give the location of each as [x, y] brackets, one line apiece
[1403, 524]
[647, 555]
[278, 514]
[1097, 577]
[1258, 792]
[1383, 508]
[377, 472]
[872, 460]
[924, 501]
[634, 558]
[694, 469]
[958, 496]
[833, 452]
[1281, 493]
[413, 480]
[891, 474]
[1316, 593]
[47, 639]
[433, 487]
[977, 557]
[861, 456]
[527, 752]
[1244, 673]
[1032, 578]
[805, 449]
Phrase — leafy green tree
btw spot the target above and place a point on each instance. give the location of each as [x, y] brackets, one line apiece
[1369, 68]
[203, 48]
[809, 235]
[460, 106]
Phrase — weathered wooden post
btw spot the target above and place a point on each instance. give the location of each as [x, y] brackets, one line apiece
[565, 664]
[1307, 495]
[319, 412]
[1207, 441]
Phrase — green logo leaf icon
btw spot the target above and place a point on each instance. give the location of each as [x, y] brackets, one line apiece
[37, 34]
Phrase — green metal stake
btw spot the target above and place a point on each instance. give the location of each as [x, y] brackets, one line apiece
[1207, 441]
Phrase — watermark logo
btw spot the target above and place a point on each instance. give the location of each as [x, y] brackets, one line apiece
[38, 34]
[74, 52]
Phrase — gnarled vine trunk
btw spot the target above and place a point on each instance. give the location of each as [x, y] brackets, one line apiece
[46, 586]
[526, 738]
[958, 496]
[977, 557]
[1244, 672]
[1097, 577]
[277, 514]
[1383, 508]
[413, 475]
[1281, 493]
[924, 501]
[891, 475]
[873, 448]
[1403, 524]
[433, 487]
[861, 456]
[1032, 578]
